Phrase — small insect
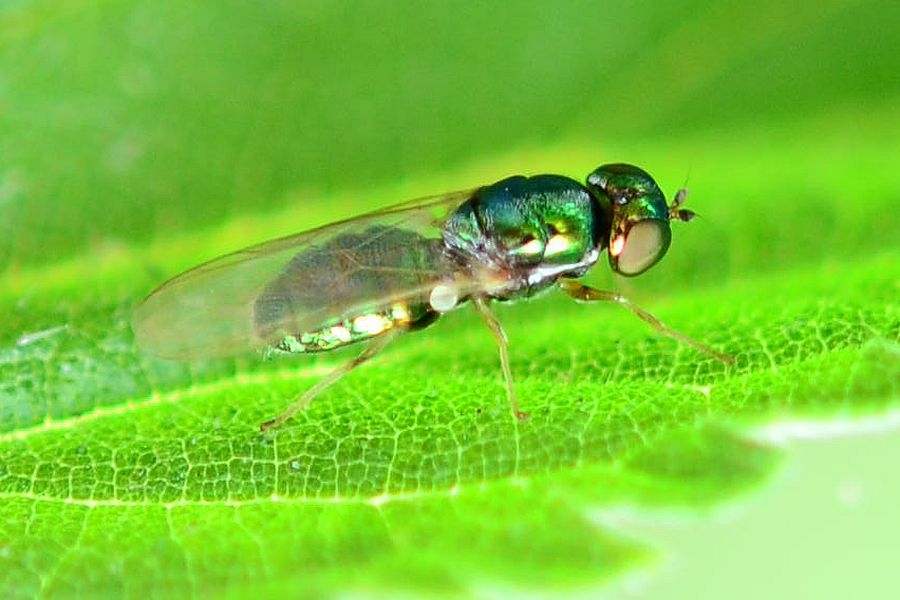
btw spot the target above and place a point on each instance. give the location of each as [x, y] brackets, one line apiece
[373, 277]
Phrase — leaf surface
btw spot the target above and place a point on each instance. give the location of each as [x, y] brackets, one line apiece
[122, 475]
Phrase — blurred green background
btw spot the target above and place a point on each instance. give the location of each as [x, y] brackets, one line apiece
[140, 137]
[125, 120]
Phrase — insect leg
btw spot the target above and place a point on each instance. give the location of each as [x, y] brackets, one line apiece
[371, 350]
[583, 293]
[493, 324]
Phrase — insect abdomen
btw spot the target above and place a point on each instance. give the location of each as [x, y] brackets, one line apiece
[358, 328]
[359, 274]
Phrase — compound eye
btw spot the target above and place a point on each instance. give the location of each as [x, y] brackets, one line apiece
[640, 247]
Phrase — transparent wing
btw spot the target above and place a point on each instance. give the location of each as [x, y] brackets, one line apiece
[255, 296]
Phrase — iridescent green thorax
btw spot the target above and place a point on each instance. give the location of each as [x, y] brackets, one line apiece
[522, 224]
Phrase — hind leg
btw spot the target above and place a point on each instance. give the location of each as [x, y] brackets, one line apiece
[374, 347]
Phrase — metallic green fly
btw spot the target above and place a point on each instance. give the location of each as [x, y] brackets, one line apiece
[373, 277]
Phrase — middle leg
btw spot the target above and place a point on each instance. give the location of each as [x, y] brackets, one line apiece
[493, 324]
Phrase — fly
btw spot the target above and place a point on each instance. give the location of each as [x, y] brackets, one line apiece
[374, 277]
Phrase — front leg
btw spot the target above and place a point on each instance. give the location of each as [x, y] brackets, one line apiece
[583, 293]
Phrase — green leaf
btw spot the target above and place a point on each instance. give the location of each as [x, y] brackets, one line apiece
[123, 475]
